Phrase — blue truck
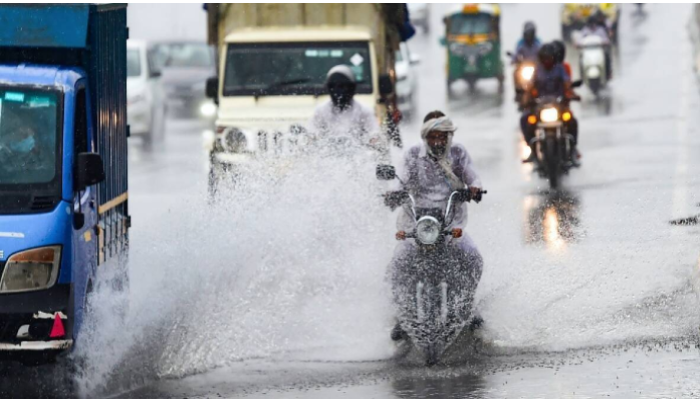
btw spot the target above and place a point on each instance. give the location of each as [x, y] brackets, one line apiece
[63, 169]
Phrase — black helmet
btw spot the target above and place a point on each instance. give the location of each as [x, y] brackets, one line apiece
[592, 20]
[559, 51]
[341, 85]
[529, 32]
[547, 54]
[529, 27]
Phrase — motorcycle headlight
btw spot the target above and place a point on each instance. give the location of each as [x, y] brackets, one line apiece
[549, 115]
[34, 269]
[428, 230]
[527, 72]
[485, 48]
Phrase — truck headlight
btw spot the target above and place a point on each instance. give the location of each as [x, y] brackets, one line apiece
[34, 269]
[550, 114]
[207, 109]
[235, 141]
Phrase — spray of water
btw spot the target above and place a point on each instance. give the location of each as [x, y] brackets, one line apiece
[290, 259]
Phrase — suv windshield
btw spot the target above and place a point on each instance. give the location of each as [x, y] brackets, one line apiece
[181, 55]
[469, 24]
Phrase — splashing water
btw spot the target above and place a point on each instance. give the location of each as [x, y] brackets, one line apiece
[290, 259]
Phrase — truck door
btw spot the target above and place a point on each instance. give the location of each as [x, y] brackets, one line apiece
[84, 236]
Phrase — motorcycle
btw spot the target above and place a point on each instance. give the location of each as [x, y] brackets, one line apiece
[553, 144]
[592, 61]
[522, 78]
[432, 291]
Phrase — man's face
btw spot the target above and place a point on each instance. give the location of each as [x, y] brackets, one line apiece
[548, 62]
[341, 93]
[437, 141]
[529, 37]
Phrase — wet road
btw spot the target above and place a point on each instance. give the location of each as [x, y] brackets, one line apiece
[587, 292]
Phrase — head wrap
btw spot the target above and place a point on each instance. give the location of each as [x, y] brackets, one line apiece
[442, 124]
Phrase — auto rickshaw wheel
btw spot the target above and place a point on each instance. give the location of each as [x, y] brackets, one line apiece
[472, 84]
[501, 80]
[448, 88]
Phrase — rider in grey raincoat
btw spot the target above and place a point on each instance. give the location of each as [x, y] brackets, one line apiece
[432, 171]
[343, 115]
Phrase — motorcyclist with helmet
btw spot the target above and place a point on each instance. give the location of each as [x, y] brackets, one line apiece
[594, 27]
[528, 46]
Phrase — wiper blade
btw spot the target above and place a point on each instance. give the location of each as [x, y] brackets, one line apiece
[280, 84]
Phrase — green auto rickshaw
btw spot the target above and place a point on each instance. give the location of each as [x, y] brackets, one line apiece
[473, 41]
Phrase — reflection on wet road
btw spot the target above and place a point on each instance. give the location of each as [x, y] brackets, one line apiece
[552, 218]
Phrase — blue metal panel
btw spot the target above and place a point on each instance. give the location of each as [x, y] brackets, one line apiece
[22, 232]
[26, 25]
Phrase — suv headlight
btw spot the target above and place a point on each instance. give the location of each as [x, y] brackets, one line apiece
[428, 230]
[29, 270]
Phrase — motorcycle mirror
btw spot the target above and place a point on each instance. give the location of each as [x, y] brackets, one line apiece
[577, 83]
[386, 172]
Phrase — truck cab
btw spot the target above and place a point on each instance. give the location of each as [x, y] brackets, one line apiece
[63, 208]
[275, 78]
[273, 60]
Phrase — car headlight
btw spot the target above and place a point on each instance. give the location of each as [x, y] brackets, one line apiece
[34, 269]
[207, 109]
[549, 115]
[485, 47]
[527, 72]
[428, 230]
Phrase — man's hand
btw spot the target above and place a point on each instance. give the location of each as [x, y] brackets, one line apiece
[395, 199]
[400, 235]
[457, 233]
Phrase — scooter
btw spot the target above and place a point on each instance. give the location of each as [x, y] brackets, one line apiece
[592, 61]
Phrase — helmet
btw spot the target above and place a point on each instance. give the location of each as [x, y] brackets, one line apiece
[529, 32]
[341, 85]
[547, 55]
[592, 20]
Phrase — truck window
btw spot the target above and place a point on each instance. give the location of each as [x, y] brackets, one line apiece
[81, 138]
[29, 137]
[292, 68]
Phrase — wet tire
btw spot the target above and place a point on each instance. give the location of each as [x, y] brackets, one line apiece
[431, 357]
[594, 85]
[552, 161]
